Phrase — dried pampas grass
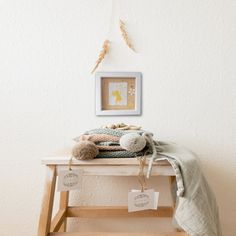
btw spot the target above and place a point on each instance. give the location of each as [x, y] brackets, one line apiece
[104, 51]
[125, 35]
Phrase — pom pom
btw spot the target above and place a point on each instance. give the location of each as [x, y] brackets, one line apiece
[132, 142]
[85, 150]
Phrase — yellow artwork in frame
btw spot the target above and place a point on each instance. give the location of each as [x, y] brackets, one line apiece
[118, 93]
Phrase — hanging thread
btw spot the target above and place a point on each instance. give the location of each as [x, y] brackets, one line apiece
[141, 176]
[106, 44]
[70, 162]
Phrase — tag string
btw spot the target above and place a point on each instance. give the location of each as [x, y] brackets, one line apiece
[70, 162]
[141, 176]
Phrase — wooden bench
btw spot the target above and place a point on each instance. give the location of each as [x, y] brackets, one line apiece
[97, 167]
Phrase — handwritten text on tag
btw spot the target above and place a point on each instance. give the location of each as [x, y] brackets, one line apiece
[139, 201]
[69, 180]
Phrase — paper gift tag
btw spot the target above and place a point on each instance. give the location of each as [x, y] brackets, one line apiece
[139, 201]
[69, 180]
[156, 198]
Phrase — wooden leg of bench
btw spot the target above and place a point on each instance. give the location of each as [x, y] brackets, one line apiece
[59, 221]
[47, 204]
[64, 199]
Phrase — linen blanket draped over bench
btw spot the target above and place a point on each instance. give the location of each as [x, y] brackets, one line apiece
[197, 210]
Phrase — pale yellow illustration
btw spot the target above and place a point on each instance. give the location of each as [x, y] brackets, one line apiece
[117, 95]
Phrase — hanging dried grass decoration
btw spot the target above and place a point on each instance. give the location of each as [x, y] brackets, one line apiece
[125, 35]
[102, 54]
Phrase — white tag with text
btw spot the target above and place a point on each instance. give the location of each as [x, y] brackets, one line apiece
[69, 180]
[139, 201]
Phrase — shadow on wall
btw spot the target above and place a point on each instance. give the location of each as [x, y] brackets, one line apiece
[222, 179]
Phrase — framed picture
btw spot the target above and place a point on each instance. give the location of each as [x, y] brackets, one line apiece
[118, 93]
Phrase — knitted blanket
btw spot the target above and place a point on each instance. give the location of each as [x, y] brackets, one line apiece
[113, 132]
[107, 141]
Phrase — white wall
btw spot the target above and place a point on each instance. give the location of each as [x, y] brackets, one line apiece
[186, 52]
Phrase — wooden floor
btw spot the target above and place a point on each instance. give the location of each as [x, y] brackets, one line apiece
[117, 234]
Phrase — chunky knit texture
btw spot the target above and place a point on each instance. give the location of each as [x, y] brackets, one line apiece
[107, 141]
[98, 138]
[118, 154]
[109, 148]
[113, 132]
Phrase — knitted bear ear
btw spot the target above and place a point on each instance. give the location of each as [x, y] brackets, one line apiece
[133, 142]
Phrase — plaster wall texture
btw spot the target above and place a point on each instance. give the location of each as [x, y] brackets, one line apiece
[186, 52]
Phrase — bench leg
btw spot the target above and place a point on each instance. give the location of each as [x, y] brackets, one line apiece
[64, 199]
[58, 224]
[47, 204]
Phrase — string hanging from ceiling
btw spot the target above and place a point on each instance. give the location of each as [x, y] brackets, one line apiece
[106, 44]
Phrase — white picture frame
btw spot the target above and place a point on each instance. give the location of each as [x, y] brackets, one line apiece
[118, 93]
